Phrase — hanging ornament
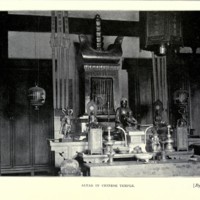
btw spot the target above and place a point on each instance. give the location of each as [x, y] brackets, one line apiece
[181, 97]
[37, 96]
[162, 49]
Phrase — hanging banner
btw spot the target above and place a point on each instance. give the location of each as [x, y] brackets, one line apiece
[60, 43]
[160, 82]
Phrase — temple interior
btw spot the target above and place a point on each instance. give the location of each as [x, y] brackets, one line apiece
[100, 93]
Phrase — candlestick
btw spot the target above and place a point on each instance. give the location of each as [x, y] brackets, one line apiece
[169, 141]
[108, 111]
[109, 146]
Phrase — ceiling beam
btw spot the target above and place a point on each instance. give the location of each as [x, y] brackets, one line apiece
[30, 23]
[25, 64]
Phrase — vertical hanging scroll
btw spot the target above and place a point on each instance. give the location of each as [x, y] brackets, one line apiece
[60, 43]
[160, 82]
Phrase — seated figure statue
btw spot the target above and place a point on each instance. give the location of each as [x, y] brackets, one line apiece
[124, 117]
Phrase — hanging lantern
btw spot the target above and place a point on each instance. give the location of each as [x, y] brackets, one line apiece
[181, 97]
[163, 29]
[37, 96]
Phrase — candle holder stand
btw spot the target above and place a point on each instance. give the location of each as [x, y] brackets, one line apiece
[169, 141]
[109, 147]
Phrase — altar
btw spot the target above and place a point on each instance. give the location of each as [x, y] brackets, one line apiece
[116, 144]
[171, 168]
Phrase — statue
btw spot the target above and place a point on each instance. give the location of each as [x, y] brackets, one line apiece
[156, 147]
[124, 117]
[92, 112]
[66, 122]
[93, 123]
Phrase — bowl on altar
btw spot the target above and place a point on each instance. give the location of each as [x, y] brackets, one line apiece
[144, 156]
[122, 150]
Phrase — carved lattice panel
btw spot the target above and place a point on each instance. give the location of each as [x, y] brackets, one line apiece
[102, 94]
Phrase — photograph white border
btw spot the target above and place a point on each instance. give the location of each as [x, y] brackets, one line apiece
[53, 188]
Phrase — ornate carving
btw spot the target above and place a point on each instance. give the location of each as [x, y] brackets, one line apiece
[103, 66]
[112, 55]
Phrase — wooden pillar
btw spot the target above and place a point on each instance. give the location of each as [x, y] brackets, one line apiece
[3, 52]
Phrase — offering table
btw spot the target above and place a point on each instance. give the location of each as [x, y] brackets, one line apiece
[139, 169]
[68, 150]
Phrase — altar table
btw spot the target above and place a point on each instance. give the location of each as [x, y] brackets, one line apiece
[139, 169]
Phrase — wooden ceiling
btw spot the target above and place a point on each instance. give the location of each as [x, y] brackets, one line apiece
[30, 23]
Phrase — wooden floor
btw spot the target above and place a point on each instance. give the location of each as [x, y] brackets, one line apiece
[45, 172]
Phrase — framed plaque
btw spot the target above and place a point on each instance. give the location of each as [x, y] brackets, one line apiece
[182, 138]
[95, 141]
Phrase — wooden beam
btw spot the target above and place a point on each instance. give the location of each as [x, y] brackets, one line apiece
[25, 64]
[29, 23]
[129, 63]
[3, 36]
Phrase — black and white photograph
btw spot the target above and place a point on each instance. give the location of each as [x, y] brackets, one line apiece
[100, 94]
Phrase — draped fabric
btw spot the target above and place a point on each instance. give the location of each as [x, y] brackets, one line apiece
[102, 94]
[160, 82]
[60, 43]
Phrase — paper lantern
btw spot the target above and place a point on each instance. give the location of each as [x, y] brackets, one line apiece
[37, 96]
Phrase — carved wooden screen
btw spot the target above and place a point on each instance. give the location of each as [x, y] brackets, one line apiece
[102, 94]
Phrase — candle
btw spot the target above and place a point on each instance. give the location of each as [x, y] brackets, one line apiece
[109, 128]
